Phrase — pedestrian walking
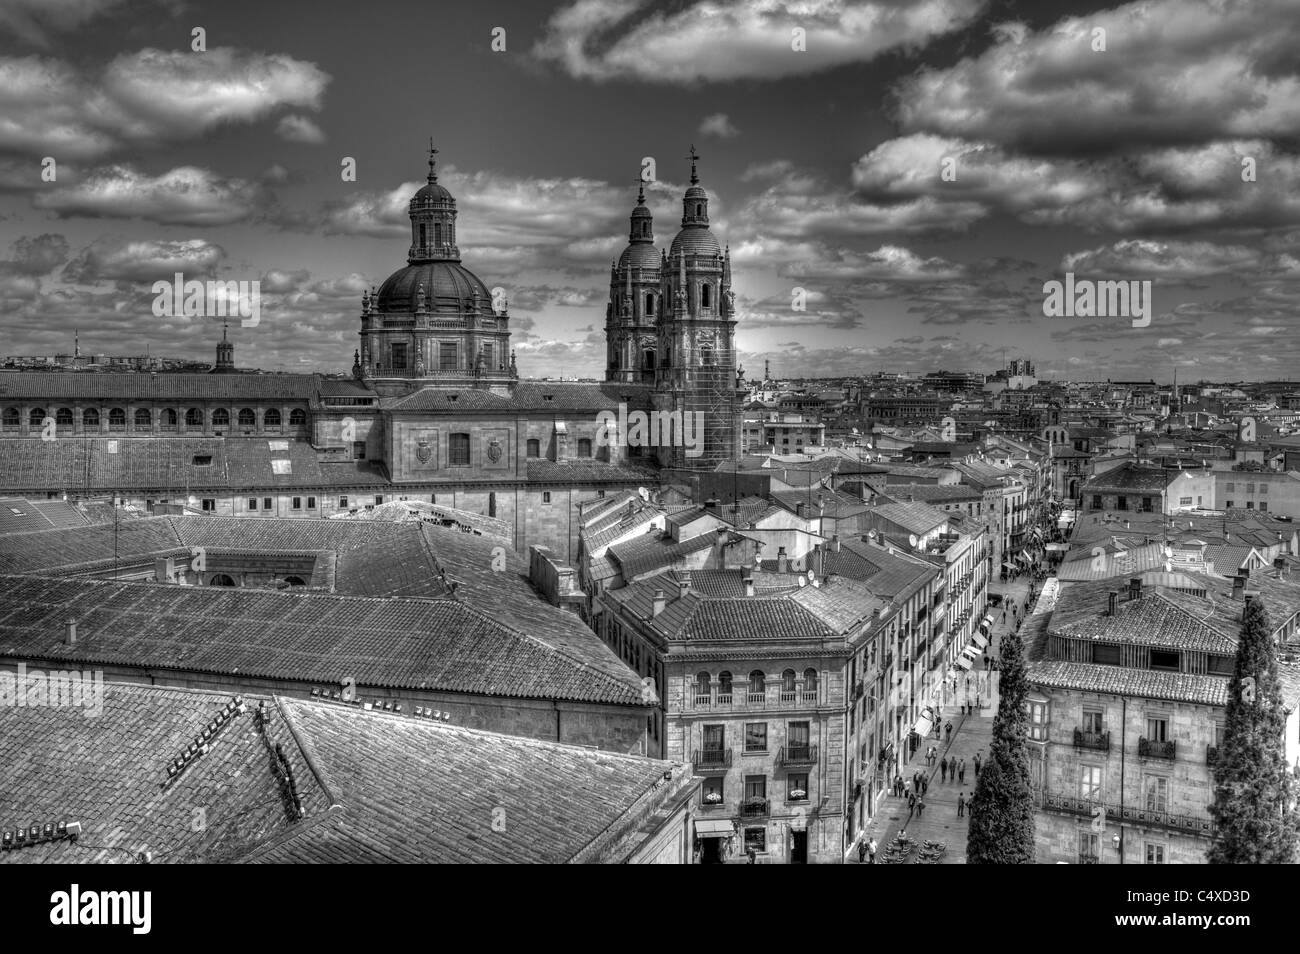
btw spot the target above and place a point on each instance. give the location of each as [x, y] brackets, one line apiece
[871, 852]
[978, 761]
[925, 784]
[948, 729]
[961, 772]
[943, 770]
[862, 851]
[920, 807]
[961, 805]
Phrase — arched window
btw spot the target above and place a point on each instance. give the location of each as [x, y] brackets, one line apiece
[757, 685]
[787, 686]
[221, 579]
[724, 688]
[90, 417]
[272, 417]
[116, 419]
[704, 295]
[703, 687]
[168, 420]
[699, 208]
[810, 685]
[424, 234]
[194, 417]
[12, 417]
[247, 417]
[297, 417]
[221, 417]
[437, 233]
[143, 419]
[534, 447]
[649, 303]
[37, 415]
[63, 417]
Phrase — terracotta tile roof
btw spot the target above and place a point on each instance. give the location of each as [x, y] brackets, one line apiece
[944, 493]
[375, 787]
[887, 575]
[1140, 683]
[650, 551]
[916, 517]
[588, 471]
[1128, 478]
[432, 644]
[1084, 565]
[1155, 619]
[444, 399]
[20, 515]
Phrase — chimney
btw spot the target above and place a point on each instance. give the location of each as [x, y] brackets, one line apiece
[749, 583]
[782, 561]
[800, 509]
[711, 504]
[818, 561]
[660, 601]
[1135, 588]
[1112, 602]
[1245, 607]
[1238, 586]
[835, 543]
[163, 570]
[72, 632]
[683, 583]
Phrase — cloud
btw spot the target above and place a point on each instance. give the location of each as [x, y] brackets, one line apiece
[724, 40]
[718, 124]
[1180, 262]
[34, 20]
[145, 98]
[183, 196]
[299, 129]
[1175, 72]
[36, 256]
[143, 261]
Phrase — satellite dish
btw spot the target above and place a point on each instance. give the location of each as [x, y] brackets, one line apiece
[911, 539]
[871, 534]
[811, 576]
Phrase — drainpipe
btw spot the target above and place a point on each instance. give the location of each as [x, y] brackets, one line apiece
[1123, 727]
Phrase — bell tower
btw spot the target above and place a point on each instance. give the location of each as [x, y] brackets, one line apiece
[635, 302]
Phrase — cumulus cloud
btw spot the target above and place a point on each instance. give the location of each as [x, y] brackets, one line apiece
[1175, 72]
[183, 196]
[34, 20]
[143, 261]
[723, 40]
[145, 98]
[720, 125]
[299, 129]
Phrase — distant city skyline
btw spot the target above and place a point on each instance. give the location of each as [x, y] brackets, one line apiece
[226, 164]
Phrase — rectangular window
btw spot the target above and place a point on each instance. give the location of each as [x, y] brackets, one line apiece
[1184, 501]
[447, 356]
[584, 447]
[755, 786]
[1092, 721]
[1090, 783]
[311, 503]
[252, 503]
[1250, 505]
[398, 352]
[297, 503]
[1038, 721]
[1089, 847]
[358, 450]
[1157, 728]
[756, 839]
[534, 447]
[266, 503]
[1230, 488]
[715, 738]
[1263, 505]
[1155, 853]
[379, 498]
[343, 503]
[458, 449]
[797, 788]
[1121, 503]
[1250, 487]
[755, 736]
[1096, 502]
[1228, 505]
[1156, 792]
[711, 790]
[546, 496]
[1263, 488]
[209, 504]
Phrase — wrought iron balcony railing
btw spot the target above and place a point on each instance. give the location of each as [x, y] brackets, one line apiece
[1149, 749]
[712, 760]
[1199, 825]
[1092, 740]
[797, 755]
[754, 808]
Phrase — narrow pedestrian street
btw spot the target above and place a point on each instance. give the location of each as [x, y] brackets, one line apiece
[971, 735]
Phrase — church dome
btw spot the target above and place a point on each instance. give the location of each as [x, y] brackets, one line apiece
[639, 255]
[448, 286]
[432, 192]
[694, 240]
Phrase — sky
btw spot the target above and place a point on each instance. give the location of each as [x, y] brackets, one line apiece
[919, 169]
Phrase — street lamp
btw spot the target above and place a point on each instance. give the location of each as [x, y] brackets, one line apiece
[1118, 841]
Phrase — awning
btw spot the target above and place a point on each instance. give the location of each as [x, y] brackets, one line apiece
[923, 726]
[1008, 565]
[964, 662]
[714, 828]
[987, 620]
[1058, 548]
[979, 641]
[974, 652]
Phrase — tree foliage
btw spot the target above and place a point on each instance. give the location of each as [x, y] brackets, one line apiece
[1254, 799]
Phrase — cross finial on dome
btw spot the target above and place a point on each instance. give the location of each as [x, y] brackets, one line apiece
[433, 172]
[640, 191]
[694, 157]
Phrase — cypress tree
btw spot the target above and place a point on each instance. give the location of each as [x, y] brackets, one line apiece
[1002, 808]
[1254, 803]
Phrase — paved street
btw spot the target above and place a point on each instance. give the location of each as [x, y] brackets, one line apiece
[970, 735]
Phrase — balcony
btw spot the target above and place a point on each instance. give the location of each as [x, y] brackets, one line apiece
[1149, 749]
[1086, 859]
[1199, 825]
[754, 808]
[1092, 740]
[789, 698]
[797, 755]
[712, 760]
